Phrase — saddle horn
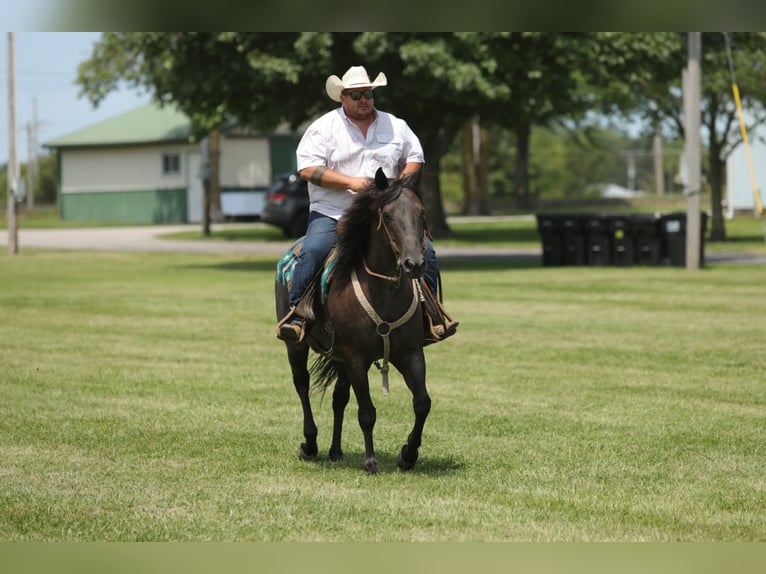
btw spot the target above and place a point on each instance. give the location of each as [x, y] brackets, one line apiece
[381, 181]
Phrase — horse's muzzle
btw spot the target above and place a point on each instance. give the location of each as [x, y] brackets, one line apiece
[414, 267]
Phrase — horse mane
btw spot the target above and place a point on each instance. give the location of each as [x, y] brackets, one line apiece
[354, 226]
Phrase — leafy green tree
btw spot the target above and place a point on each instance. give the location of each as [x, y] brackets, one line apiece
[264, 79]
[650, 88]
[439, 81]
[546, 75]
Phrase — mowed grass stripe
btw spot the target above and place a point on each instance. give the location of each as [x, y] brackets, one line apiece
[145, 397]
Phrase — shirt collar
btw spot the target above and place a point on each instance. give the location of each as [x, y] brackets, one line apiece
[345, 117]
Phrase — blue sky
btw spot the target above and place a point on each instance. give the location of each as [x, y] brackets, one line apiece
[46, 68]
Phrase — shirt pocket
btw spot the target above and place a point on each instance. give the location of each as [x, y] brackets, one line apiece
[388, 154]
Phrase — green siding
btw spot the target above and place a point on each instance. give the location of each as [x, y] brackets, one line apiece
[283, 158]
[140, 207]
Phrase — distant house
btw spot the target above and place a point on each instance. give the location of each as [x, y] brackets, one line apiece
[140, 167]
[740, 196]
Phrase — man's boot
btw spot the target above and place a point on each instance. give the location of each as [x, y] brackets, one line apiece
[291, 328]
[438, 323]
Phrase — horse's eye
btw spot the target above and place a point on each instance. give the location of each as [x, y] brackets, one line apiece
[388, 217]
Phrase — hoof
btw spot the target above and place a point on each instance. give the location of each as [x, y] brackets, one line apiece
[304, 453]
[371, 466]
[403, 463]
[335, 457]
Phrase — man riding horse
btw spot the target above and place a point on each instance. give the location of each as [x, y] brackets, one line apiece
[338, 155]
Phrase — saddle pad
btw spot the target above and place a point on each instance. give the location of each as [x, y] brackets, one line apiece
[286, 267]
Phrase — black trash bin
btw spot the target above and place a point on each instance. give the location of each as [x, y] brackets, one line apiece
[573, 240]
[674, 238]
[599, 245]
[623, 244]
[648, 239]
[551, 236]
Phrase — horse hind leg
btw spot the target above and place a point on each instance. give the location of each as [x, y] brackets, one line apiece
[298, 357]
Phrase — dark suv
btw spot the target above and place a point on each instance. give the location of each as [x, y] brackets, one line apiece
[287, 205]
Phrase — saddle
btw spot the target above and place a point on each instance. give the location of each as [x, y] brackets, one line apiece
[435, 316]
[286, 268]
[310, 306]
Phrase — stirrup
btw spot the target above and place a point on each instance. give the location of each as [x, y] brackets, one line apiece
[438, 324]
[447, 329]
[436, 332]
[292, 328]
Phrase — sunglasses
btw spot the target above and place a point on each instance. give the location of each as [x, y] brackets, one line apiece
[358, 95]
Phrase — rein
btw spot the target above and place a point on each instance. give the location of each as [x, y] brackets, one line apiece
[382, 327]
[394, 248]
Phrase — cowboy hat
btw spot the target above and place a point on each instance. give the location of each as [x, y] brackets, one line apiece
[355, 77]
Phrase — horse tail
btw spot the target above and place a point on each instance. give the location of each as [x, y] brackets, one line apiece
[324, 373]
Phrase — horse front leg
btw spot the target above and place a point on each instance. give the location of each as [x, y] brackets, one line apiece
[367, 415]
[298, 356]
[413, 369]
[340, 398]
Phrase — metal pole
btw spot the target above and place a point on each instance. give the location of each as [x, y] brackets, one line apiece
[693, 151]
[659, 168]
[32, 166]
[13, 246]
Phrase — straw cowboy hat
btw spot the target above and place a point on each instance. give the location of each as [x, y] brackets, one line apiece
[355, 77]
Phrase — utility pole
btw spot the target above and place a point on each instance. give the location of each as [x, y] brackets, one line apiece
[32, 165]
[693, 160]
[659, 168]
[631, 170]
[13, 246]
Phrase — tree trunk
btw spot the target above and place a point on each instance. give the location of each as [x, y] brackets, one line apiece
[470, 191]
[216, 213]
[475, 168]
[717, 174]
[430, 190]
[482, 178]
[521, 191]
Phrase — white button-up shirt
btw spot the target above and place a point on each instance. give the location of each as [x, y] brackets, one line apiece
[335, 141]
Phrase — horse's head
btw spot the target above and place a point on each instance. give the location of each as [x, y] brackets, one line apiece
[402, 218]
[386, 224]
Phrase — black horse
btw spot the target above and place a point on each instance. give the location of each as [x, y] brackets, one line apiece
[371, 312]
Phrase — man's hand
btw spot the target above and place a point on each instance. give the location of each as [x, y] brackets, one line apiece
[357, 184]
[330, 179]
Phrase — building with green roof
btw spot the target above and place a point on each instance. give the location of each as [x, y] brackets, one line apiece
[144, 167]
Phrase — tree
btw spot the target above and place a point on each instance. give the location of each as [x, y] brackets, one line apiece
[650, 88]
[475, 167]
[439, 82]
[719, 115]
[547, 74]
[263, 79]
[216, 78]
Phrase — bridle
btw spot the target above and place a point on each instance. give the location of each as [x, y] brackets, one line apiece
[384, 328]
[394, 248]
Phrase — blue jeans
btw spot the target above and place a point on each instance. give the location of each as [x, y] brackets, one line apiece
[320, 237]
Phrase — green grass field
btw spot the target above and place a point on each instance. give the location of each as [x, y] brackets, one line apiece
[145, 398]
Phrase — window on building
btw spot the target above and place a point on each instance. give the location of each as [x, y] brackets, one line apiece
[171, 164]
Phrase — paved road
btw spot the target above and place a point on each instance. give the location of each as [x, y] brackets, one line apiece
[143, 238]
[150, 238]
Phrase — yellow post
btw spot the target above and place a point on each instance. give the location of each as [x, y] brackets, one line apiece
[743, 129]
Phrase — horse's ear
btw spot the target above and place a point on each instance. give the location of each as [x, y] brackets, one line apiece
[381, 181]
